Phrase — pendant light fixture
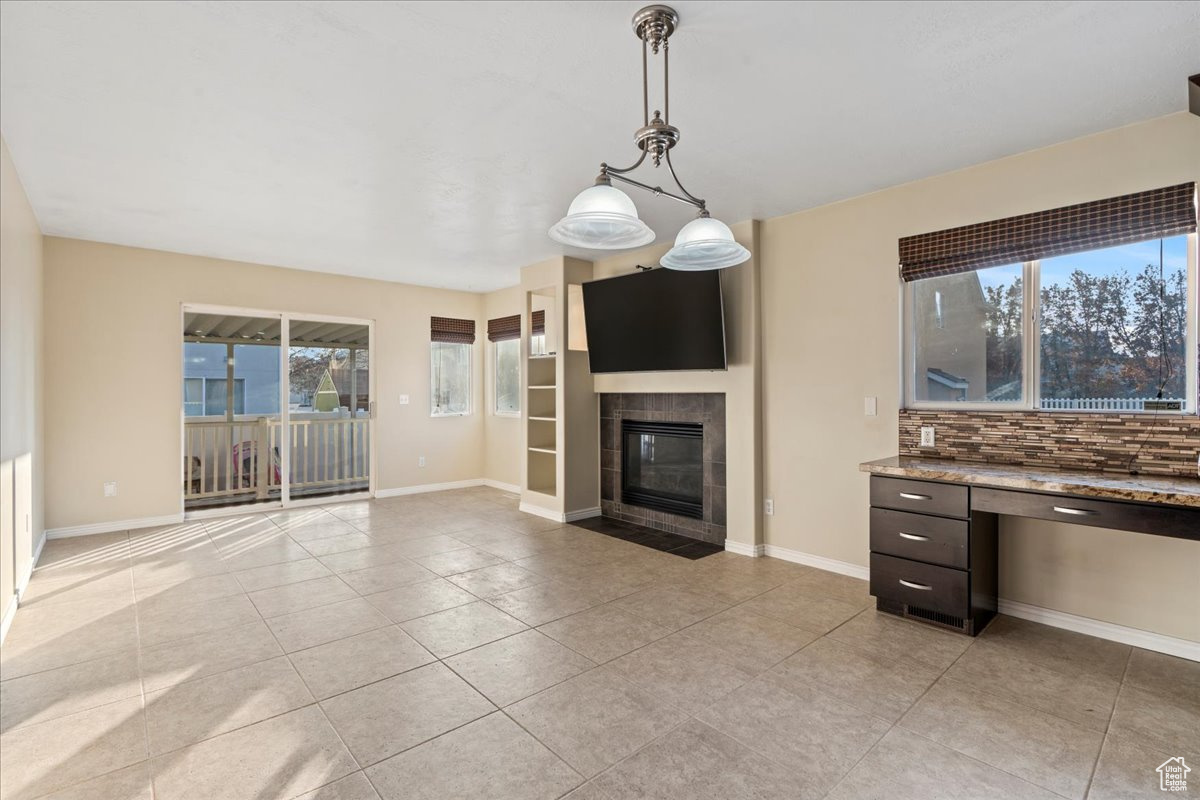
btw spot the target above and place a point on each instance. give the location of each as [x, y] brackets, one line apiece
[602, 217]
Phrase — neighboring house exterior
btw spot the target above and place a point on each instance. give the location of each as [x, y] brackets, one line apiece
[951, 363]
[255, 379]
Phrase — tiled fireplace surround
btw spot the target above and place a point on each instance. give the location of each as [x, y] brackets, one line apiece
[708, 409]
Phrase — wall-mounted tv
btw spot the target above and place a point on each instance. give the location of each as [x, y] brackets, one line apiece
[656, 320]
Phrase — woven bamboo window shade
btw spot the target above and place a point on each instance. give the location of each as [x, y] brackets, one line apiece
[1136, 217]
[454, 331]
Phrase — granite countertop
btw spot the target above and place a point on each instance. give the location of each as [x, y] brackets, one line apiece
[1164, 489]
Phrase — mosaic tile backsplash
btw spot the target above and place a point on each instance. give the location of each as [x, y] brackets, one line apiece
[1096, 441]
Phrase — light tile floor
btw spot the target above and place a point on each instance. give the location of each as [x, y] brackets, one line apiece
[448, 646]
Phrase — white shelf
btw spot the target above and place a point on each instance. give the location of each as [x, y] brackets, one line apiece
[543, 450]
[544, 419]
[546, 491]
[550, 355]
[543, 386]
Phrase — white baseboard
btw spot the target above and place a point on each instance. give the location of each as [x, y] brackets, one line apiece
[743, 549]
[1159, 642]
[7, 620]
[512, 488]
[428, 487]
[22, 584]
[545, 513]
[820, 562]
[113, 527]
[583, 513]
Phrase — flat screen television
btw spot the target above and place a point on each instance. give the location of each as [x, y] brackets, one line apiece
[655, 321]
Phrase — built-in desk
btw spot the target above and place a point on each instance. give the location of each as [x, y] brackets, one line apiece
[934, 526]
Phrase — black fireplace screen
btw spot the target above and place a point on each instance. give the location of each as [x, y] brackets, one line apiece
[663, 466]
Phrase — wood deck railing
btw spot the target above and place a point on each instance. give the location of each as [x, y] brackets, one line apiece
[241, 460]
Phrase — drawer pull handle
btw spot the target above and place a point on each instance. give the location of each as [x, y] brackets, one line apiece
[911, 496]
[913, 537]
[1077, 512]
[925, 587]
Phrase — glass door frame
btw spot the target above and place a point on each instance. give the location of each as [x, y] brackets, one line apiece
[285, 451]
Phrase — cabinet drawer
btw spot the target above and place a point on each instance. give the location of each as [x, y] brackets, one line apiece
[1162, 520]
[923, 497]
[936, 540]
[914, 583]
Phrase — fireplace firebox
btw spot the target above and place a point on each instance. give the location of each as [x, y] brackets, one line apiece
[663, 466]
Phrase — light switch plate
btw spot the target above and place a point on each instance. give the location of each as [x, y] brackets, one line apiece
[870, 406]
[110, 488]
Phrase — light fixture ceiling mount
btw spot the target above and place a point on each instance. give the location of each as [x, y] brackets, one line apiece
[603, 217]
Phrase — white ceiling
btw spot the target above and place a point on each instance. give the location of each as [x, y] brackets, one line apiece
[435, 143]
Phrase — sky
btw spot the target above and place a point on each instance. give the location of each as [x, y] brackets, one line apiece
[1131, 257]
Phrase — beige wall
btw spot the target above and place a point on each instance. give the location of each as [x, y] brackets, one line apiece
[831, 311]
[21, 454]
[113, 379]
[502, 435]
[741, 383]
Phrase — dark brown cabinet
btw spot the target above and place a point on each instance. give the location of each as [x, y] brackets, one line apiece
[933, 559]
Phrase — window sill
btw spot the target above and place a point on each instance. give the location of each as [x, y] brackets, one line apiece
[507, 414]
[438, 415]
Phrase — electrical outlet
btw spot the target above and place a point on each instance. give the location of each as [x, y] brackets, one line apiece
[927, 437]
[403, 399]
[110, 488]
[420, 461]
[769, 507]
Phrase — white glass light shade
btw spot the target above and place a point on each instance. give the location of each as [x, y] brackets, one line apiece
[602, 218]
[704, 243]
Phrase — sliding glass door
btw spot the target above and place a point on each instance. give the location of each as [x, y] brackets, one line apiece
[276, 408]
[329, 406]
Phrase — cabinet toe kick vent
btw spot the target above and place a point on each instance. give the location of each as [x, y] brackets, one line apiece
[936, 617]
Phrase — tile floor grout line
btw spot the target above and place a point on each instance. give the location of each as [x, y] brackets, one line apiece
[820, 691]
[1108, 723]
[978, 760]
[899, 724]
[620, 557]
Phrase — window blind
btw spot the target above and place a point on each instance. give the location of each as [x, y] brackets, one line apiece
[504, 328]
[454, 331]
[1136, 217]
[539, 323]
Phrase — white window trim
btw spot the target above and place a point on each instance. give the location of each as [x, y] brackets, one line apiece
[496, 377]
[1031, 350]
[434, 414]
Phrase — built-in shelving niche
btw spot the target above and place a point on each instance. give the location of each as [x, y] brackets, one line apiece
[541, 402]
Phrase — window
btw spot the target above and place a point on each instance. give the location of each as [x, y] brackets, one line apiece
[1102, 330]
[206, 397]
[193, 397]
[450, 379]
[507, 367]
[1113, 327]
[968, 336]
